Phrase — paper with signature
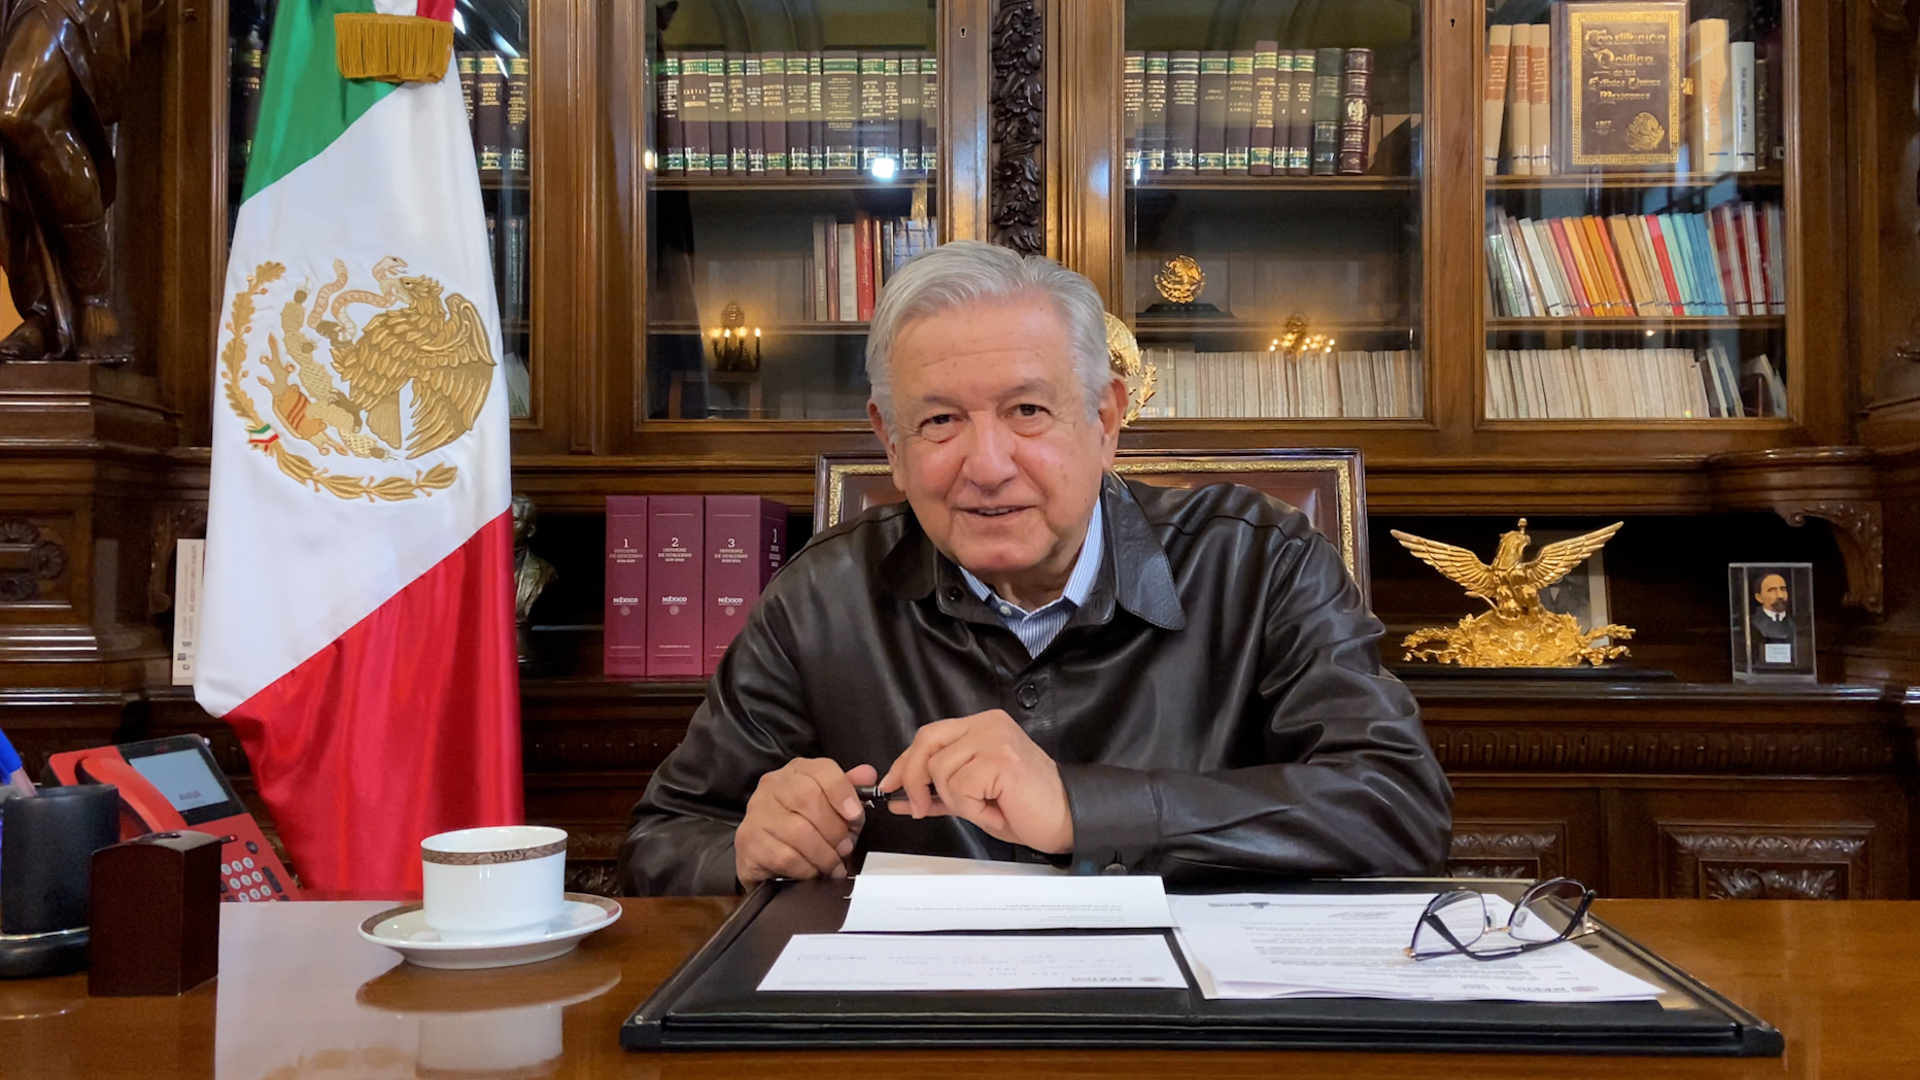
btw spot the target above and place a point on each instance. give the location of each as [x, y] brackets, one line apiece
[1249, 945]
[852, 962]
[910, 903]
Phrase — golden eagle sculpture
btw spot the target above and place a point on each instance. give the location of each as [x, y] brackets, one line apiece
[439, 346]
[1517, 631]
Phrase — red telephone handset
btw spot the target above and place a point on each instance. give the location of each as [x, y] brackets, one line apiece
[171, 784]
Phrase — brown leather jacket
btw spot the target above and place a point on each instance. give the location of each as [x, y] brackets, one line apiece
[1216, 707]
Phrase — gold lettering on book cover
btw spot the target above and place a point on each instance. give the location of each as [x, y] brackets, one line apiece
[1623, 69]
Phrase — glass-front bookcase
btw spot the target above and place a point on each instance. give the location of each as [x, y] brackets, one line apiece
[1273, 234]
[493, 58]
[794, 165]
[1635, 164]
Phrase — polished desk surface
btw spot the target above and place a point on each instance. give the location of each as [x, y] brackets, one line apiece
[301, 995]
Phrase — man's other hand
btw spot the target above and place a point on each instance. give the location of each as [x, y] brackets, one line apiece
[984, 769]
[801, 822]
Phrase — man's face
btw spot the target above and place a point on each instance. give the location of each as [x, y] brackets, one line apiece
[1773, 593]
[993, 446]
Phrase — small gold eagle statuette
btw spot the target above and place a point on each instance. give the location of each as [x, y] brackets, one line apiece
[1123, 355]
[1180, 279]
[1517, 631]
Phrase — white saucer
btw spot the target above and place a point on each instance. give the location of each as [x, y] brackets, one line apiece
[404, 929]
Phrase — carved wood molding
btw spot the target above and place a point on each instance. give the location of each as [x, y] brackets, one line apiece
[1856, 527]
[1736, 862]
[1017, 183]
[1507, 850]
[28, 557]
[1691, 751]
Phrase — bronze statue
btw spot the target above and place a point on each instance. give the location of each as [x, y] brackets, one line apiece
[63, 77]
[531, 576]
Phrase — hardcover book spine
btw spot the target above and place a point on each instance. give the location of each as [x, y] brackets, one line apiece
[1210, 146]
[1267, 104]
[911, 89]
[1356, 112]
[519, 104]
[773, 105]
[841, 87]
[513, 271]
[1240, 110]
[890, 110]
[738, 151]
[1300, 129]
[1153, 116]
[468, 65]
[1133, 84]
[624, 654]
[799, 116]
[675, 526]
[1540, 98]
[871, 131]
[720, 131]
[929, 114]
[490, 114]
[816, 114]
[846, 273]
[1744, 153]
[756, 88]
[1493, 100]
[249, 75]
[694, 113]
[1183, 110]
[1326, 111]
[863, 256]
[1519, 103]
[745, 542]
[823, 239]
[672, 131]
[189, 572]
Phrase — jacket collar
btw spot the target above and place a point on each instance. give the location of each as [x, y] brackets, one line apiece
[1134, 572]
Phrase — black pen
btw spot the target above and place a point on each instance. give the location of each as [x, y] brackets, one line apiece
[873, 796]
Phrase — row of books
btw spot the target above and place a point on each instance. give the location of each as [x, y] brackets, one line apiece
[1285, 384]
[1629, 74]
[683, 571]
[834, 113]
[853, 260]
[1723, 261]
[1264, 111]
[497, 89]
[1674, 384]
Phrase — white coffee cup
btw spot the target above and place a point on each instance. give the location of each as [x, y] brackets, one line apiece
[496, 882]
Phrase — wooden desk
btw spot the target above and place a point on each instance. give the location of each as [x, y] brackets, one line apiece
[302, 996]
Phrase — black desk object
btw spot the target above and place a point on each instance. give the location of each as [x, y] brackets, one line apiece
[710, 1003]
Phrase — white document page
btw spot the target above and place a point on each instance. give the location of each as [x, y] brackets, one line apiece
[1249, 945]
[895, 862]
[907, 903]
[923, 962]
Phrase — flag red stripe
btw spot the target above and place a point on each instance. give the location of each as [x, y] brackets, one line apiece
[407, 725]
[434, 9]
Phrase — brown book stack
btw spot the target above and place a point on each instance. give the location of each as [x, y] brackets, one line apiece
[490, 114]
[519, 104]
[1240, 107]
[671, 134]
[1356, 117]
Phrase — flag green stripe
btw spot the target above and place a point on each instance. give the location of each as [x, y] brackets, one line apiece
[304, 104]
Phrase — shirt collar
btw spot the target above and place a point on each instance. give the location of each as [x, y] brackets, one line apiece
[1134, 572]
[1085, 568]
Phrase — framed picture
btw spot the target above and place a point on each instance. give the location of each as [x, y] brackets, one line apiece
[1583, 592]
[1771, 610]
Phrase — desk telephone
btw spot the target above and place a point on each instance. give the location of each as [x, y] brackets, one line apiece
[171, 784]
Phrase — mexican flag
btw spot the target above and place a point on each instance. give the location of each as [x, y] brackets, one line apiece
[358, 611]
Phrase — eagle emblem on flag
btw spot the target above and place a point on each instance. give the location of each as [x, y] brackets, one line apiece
[411, 381]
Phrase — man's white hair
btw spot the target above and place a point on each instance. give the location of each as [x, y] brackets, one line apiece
[968, 271]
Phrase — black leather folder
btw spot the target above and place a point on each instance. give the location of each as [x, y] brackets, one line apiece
[710, 1003]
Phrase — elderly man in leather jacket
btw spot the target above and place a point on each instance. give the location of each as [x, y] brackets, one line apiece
[1051, 663]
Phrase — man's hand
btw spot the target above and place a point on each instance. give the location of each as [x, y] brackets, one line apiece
[802, 820]
[984, 769]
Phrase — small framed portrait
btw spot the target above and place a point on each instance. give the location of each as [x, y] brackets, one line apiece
[1771, 609]
[1583, 592]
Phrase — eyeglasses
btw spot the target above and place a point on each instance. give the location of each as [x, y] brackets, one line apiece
[1458, 922]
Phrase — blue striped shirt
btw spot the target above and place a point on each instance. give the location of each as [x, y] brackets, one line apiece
[1037, 629]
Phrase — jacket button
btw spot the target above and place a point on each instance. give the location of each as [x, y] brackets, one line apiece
[953, 592]
[1029, 697]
